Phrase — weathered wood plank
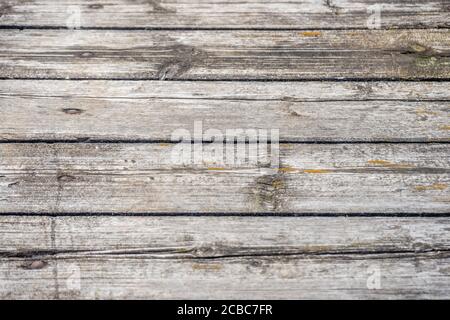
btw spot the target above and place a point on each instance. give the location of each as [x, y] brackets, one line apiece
[226, 90]
[215, 237]
[412, 276]
[227, 55]
[225, 14]
[309, 111]
[223, 257]
[142, 178]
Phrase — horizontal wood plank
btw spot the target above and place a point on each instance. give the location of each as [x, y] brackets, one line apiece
[226, 55]
[215, 237]
[143, 178]
[223, 257]
[225, 14]
[57, 243]
[303, 112]
[410, 276]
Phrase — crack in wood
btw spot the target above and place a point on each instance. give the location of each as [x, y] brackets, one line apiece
[54, 248]
[40, 259]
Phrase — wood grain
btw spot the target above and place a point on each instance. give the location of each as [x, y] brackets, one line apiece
[142, 178]
[94, 206]
[226, 55]
[215, 237]
[308, 111]
[201, 14]
[410, 276]
[223, 257]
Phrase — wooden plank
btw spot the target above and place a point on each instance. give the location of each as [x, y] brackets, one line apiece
[410, 276]
[23, 234]
[224, 257]
[226, 90]
[225, 14]
[306, 111]
[215, 237]
[226, 55]
[143, 178]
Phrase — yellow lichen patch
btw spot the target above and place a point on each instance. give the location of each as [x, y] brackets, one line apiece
[164, 144]
[426, 62]
[388, 164]
[209, 267]
[441, 199]
[278, 184]
[286, 146]
[288, 169]
[401, 166]
[380, 162]
[311, 33]
[444, 127]
[216, 168]
[418, 48]
[434, 186]
[422, 111]
[316, 171]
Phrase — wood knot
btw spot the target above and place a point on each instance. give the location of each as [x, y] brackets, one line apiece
[418, 49]
[424, 56]
[157, 7]
[365, 89]
[86, 54]
[34, 265]
[5, 9]
[334, 9]
[65, 178]
[184, 58]
[72, 111]
[95, 6]
[269, 191]
[13, 184]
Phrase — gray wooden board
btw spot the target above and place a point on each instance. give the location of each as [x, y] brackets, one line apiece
[227, 55]
[412, 276]
[202, 14]
[153, 110]
[143, 178]
[363, 166]
[214, 237]
[223, 257]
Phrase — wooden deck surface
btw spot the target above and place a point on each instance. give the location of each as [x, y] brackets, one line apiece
[92, 205]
